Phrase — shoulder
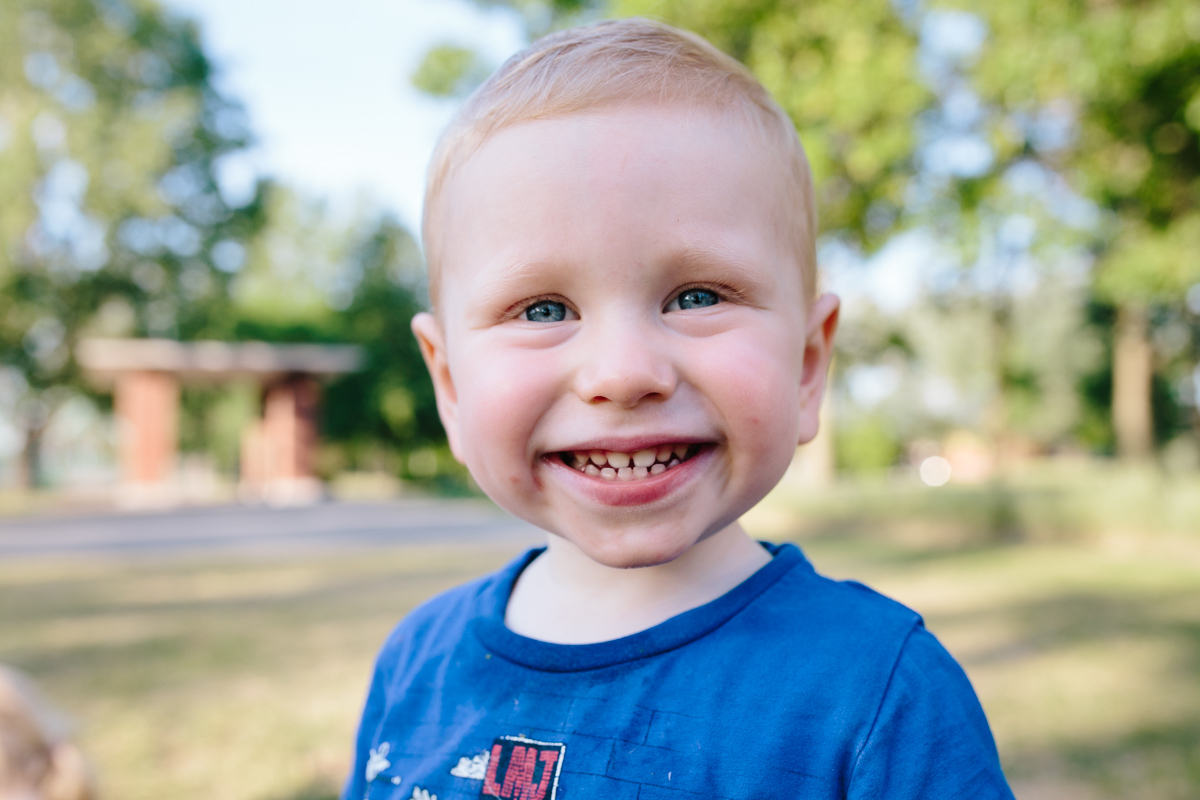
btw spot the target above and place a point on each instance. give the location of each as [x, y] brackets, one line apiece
[930, 737]
[921, 731]
[843, 620]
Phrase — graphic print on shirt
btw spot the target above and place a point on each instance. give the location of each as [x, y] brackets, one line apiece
[521, 769]
[377, 761]
[472, 767]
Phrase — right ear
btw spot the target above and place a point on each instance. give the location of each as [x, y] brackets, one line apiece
[433, 348]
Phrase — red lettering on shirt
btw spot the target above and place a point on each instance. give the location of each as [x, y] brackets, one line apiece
[489, 782]
[525, 768]
[522, 769]
[510, 775]
[549, 759]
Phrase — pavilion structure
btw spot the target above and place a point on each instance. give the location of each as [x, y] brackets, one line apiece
[277, 448]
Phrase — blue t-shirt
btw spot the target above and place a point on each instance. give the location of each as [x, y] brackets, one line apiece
[791, 685]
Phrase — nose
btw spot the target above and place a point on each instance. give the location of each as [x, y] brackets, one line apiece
[625, 364]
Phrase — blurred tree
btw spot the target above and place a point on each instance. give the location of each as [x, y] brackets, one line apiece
[296, 273]
[450, 70]
[314, 276]
[1108, 94]
[389, 405]
[111, 217]
[847, 74]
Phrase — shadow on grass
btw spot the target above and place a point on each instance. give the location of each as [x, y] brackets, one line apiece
[1076, 618]
[1158, 760]
[1153, 763]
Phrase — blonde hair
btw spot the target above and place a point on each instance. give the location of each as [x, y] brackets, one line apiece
[609, 63]
[36, 755]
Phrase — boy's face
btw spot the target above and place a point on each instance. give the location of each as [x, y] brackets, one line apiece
[618, 287]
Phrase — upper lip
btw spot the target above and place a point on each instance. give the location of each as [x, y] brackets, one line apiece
[631, 444]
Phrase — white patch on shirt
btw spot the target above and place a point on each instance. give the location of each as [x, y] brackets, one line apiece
[377, 761]
[422, 794]
[474, 768]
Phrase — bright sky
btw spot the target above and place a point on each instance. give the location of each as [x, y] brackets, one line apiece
[326, 85]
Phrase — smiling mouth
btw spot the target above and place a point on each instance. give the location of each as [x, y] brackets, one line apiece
[615, 466]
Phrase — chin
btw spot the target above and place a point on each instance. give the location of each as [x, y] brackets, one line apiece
[633, 550]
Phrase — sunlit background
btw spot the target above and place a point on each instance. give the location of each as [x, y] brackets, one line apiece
[190, 190]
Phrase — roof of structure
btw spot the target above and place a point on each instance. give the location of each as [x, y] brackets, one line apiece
[108, 357]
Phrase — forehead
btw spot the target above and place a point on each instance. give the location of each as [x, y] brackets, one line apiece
[635, 182]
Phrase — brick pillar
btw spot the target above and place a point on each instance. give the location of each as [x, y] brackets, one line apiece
[289, 427]
[146, 405]
[278, 450]
[253, 469]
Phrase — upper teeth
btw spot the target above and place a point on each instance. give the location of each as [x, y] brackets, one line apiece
[613, 464]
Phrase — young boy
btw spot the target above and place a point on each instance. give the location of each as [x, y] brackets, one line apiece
[627, 347]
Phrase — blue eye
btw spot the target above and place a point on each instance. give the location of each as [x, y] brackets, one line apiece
[546, 311]
[698, 298]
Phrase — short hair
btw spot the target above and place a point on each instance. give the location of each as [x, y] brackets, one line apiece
[609, 63]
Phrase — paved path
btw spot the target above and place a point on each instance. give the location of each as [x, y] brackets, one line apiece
[246, 529]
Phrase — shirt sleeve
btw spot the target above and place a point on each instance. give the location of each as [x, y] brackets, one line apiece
[930, 739]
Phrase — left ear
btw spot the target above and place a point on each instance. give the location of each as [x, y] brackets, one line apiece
[818, 349]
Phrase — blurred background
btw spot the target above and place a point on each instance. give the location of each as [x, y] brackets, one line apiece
[222, 477]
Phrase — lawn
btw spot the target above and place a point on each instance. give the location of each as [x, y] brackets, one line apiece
[242, 678]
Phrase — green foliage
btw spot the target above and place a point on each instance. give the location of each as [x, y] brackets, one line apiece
[295, 271]
[448, 70]
[391, 402]
[866, 445]
[111, 220]
[542, 16]
[847, 75]
[311, 277]
[1126, 77]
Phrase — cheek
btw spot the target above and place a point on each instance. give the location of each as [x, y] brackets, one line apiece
[501, 396]
[755, 386]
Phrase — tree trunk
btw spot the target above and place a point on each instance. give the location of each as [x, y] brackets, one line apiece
[29, 476]
[1133, 371]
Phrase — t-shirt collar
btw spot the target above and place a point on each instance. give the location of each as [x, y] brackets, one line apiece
[678, 631]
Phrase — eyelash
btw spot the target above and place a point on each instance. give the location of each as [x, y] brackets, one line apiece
[517, 309]
[725, 293]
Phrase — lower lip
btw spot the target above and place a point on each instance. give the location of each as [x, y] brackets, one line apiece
[639, 491]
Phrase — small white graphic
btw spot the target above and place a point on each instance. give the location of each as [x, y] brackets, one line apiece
[377, 761]
[422, 794]
[396, 781]
[473, 768]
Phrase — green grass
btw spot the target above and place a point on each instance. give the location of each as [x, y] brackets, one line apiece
[238, 679]
[243, 678]
[1038, 501]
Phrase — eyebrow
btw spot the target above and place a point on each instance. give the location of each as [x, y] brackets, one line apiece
[694, 255]
[507, 277]
[499, 286]
[744, 273]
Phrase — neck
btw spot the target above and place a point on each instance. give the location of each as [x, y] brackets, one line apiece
[566, 598]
